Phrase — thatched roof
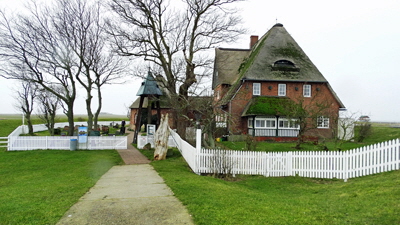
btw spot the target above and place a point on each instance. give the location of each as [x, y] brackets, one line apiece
[264, 61]
[274, 48]
[275, 57]
[227, 62]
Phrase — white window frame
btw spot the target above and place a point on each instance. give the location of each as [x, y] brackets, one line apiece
[281, 89]
[250, 123]
[256, 88]
[323, 122]
[285, 123]
[307, 90]
[262, 123]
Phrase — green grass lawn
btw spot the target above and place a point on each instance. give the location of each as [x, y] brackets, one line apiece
[38, 187]
[286, 200]
[372, 199]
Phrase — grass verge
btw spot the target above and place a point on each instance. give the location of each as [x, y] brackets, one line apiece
[38, 187]
[286, 200]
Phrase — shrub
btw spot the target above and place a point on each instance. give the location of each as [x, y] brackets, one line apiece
[250, 143]
[363, 131]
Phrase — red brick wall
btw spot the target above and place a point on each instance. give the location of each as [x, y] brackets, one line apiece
[171, 121]
[320, 93]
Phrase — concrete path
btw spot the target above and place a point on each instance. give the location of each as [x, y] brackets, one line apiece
[128, 194]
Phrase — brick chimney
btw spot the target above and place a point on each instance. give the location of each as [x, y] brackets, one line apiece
[253, 40]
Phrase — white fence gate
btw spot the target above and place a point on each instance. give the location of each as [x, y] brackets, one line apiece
[358, 162]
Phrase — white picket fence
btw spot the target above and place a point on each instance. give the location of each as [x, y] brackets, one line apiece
[314, 164]
[24, 143]
[23, 129]
[187, 150]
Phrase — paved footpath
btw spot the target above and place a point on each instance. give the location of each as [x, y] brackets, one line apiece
[129, 194]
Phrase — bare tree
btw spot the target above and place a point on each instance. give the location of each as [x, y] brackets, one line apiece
[175, 40]
[25, 97]
[211, 120]
[84, 27]
[306, 116]
[344, 131]
[48, 106]
[61, 44]
[33, 42]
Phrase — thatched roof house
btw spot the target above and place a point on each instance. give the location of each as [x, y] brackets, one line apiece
[273, 67]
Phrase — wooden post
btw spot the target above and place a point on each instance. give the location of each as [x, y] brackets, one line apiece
[138, 119]
[158, 111]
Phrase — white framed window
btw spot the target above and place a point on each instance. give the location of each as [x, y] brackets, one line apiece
[322, 122]
[281, 89]
[250, 123]
[288, 123]
[262, 122]
[307, 90]
[256, 89]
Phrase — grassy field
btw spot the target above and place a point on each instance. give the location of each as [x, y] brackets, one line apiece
[38, 187]
[286, 200]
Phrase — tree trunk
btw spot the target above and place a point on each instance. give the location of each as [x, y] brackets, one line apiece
[51, 124]
[180, 119]
[29, 122]
[70, 116]
[97, 113]
[89, 107]
[161, 139]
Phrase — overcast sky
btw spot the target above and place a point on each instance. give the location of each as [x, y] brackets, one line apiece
[354, 43]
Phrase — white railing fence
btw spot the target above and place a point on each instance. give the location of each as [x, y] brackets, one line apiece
[23, 129]
[358, 162]
[23, 143]
[187, 150]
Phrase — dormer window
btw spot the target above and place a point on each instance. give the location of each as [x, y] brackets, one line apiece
[284, 65]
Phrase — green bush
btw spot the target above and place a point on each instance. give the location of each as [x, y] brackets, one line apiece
[363, 131]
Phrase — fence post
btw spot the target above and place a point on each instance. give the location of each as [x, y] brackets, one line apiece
[198, 139]
[346, 166]
[289, 164]
[198, 148]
